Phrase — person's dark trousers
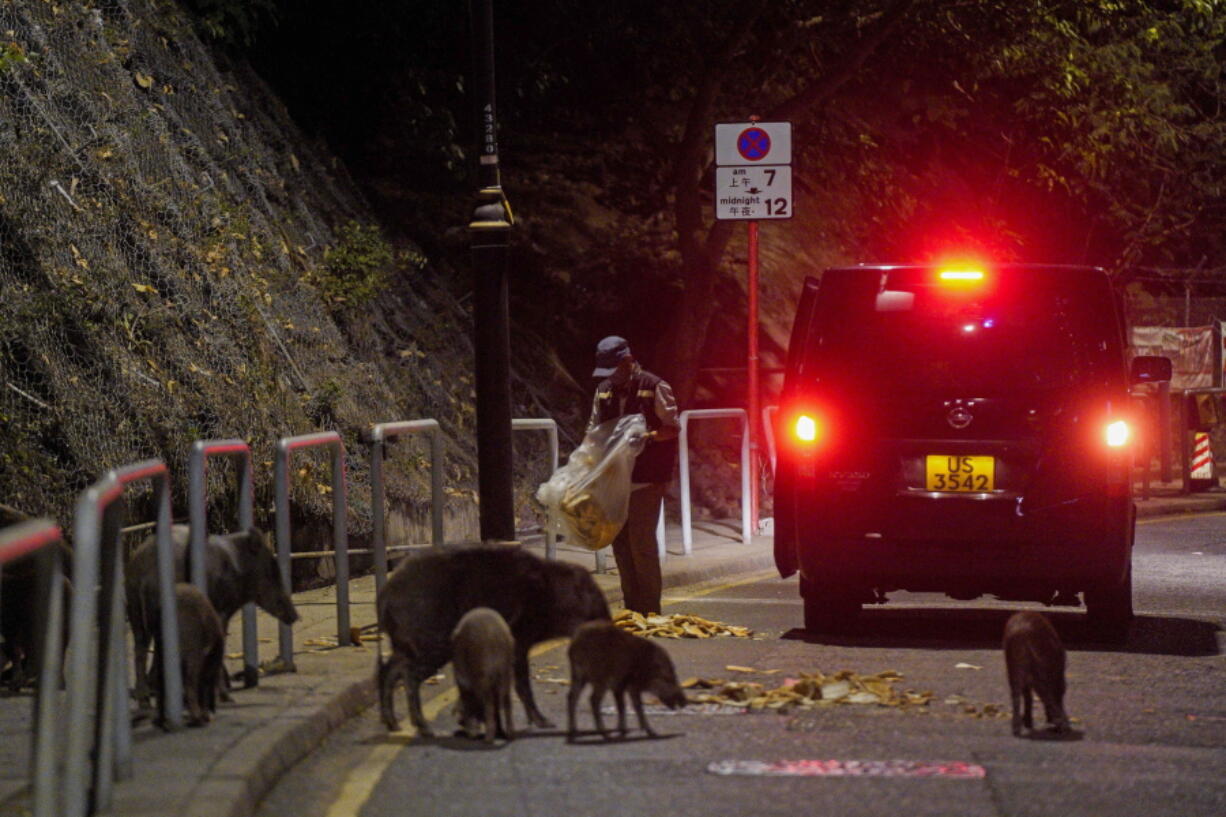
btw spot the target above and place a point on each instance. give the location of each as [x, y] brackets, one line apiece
[636, 551]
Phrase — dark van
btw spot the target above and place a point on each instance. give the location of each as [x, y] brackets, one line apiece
[959, 430]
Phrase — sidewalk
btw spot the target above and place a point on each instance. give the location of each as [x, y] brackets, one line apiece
[222, 770]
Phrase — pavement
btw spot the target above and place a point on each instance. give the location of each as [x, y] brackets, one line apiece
[225, 768]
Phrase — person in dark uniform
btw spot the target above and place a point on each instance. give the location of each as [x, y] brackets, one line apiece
[627, 388]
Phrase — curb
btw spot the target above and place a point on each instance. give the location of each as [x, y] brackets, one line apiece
[240, 780]
[1182, 507]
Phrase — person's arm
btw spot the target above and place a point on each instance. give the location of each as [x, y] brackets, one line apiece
[666, 410]
[593, 421]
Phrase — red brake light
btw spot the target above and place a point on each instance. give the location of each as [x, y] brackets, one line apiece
[1117, 434]
[805, 428]
[961, 275]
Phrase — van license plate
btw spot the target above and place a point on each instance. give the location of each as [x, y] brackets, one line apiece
[960, 474]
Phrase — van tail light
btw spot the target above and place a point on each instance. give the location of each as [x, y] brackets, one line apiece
[1118, 434]
[805, 428]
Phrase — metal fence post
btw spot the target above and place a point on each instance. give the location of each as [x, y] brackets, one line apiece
[380, 434]
[197, 498]
[549, 426]
[687, 534]
[98, 554]
[340, 535]
[1164, 430]
[42, 537]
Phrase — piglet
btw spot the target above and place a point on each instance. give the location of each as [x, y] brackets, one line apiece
[607, 657]
[201, 649]
[1034, 660]
[483, 657]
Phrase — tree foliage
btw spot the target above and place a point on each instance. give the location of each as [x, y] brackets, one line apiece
[1045, 130]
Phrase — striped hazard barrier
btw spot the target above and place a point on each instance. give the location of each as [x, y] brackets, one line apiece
[1202, 456]
[847, 768]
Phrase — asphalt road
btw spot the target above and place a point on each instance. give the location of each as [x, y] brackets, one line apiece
[1150, 718]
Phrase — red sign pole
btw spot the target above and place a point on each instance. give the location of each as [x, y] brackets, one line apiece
[752, 425]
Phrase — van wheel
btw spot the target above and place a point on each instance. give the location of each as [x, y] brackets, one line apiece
[1109, 609]
[830, 606]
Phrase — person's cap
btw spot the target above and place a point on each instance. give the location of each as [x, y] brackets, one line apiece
[609, 352]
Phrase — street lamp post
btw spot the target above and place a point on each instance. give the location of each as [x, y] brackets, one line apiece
[489, 232]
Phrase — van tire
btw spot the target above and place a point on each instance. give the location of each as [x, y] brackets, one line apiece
[1109, 609]
[830, 605]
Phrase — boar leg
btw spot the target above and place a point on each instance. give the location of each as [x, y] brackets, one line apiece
[636, 698]
[572, 698]
[388, 672]
[504, 706]
[619, 697]
[490, 703]
[597, 697]
[140, 655]
[523, 687]
[1054, 710]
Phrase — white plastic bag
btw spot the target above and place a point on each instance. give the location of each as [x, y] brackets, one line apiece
[588, 498]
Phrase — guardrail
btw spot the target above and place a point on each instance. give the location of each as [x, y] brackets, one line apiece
[41, 538]
[197, 502]
[768, 425]
[380, 434]
[286, 446]
[687, 533]
[551, 428]
[97, 550]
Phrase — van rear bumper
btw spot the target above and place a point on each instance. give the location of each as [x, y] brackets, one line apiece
[964, 546]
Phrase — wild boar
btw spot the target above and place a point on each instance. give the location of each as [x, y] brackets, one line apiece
[607, 657]
[239, 568]
[426, 595]
[1034, 661]
[20, 597]
[201, 649]
[483, 658]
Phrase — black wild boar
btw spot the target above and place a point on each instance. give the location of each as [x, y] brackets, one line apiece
[426, 595]
[607, 657]
[201, 649]
[19, 599]
[239, 568]
[1034, 660]
[483, 657]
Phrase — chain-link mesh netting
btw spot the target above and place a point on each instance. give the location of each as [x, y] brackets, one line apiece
[159, 219]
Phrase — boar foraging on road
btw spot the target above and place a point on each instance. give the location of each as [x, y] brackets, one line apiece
[239, 568]
[426, 595]
[1034, 660]
[607, 657]
[483, 658]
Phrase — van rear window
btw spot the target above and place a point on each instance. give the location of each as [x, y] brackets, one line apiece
[1027, 332]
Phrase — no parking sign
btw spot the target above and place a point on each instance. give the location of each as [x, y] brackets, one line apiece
[753, 177]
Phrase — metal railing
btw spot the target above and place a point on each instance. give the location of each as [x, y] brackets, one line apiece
[687, 533]
[41, 538]
[549, 426]
[286, 446]
[379, 435]
[197, 500]
[768, 425]
[97, 550]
